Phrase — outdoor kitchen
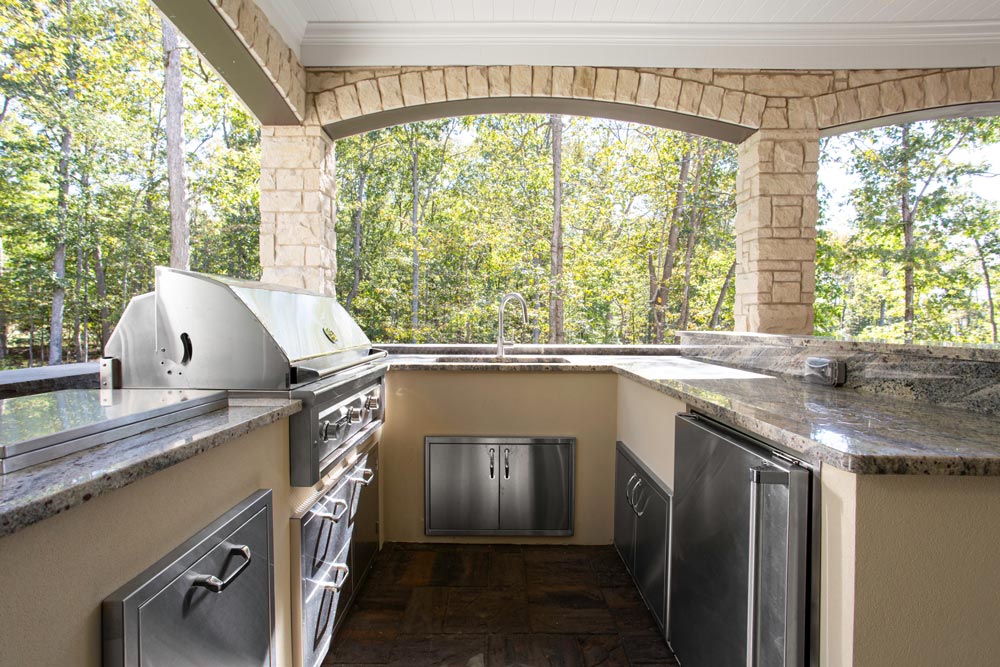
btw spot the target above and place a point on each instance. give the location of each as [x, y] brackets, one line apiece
[428, 430]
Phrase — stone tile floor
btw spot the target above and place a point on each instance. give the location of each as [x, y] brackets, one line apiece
[450, 605]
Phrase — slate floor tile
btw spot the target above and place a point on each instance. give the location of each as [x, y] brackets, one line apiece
[440, 651]
[535, 650]
[474, 610]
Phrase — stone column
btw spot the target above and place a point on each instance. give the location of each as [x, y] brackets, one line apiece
[776, 212]
[298, 241]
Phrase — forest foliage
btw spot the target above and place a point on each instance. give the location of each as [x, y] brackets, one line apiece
[436, 220]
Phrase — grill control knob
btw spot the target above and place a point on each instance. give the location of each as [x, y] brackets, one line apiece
[327, 429]
[371, 403]
[354, 414]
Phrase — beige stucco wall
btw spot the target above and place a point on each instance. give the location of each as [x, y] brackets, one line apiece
[54, 574]
[838, 516]
[927, 571]
[646, 426]
[422, 403]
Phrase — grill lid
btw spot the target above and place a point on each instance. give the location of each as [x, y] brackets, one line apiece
[201, 331]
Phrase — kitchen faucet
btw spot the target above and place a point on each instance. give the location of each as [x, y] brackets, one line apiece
[513, 296]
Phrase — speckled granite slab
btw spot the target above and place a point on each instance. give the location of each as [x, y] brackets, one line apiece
[953, 376]
[841, 427]
[36, 493]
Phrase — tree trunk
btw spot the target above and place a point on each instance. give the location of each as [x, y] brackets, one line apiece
[906, 215]
[59, 260]
[557, 332]
[717, 313]
[3, 334]
[659, 300]
[415, 229]
[692, 240]
[173, 98]
[989, 287]
[101, 283]
[357, 219]
[62, 202]
[77, 349]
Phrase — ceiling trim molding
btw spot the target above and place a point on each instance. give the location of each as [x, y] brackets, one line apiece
[287, 20]
[746, 45]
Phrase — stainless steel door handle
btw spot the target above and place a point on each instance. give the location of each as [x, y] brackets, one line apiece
[363, 480]
[342, 571]
[492, 462]
[334, 516]
[797, 481]
[628, 487]
[216, 585]
[635, 493]
[506, 464]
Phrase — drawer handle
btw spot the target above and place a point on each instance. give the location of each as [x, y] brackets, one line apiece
[363, 480]
[334, 516]
[628, 487]
[342, 573]
[635, 496]
[216, 585]
[506, 464]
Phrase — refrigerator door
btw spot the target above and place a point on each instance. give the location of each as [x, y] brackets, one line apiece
[738, 553]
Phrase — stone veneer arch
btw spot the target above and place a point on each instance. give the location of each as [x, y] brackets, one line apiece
[355, 101]
[776, 117]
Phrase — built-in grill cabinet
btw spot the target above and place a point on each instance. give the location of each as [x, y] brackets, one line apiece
[197, 331]
[208, 602]
[334, 541]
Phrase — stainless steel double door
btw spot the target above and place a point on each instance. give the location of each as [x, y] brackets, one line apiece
[499, 486]
[739, 551]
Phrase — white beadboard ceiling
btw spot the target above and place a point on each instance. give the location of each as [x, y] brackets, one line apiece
[646, 33]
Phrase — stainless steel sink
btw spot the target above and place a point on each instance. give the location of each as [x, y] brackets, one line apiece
[493, 359]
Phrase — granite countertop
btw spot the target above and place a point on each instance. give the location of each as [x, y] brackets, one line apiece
[842, 427]
[30, 495]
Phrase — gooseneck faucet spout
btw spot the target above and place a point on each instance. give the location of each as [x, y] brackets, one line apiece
[513, 296]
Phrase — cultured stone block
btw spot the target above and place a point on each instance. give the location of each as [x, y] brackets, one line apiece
[670, 93]
[347, 101]
[368, 96]
[732, 106]
[868, 100]
[958, 86]
[728, 80]
[413, 88]
[691, 92]
[753, 109]
[499, 81]
[541, 81]
[605, 84]
[562, 81]
[801, 113]
[478, 82]
[391, 92]
[981, 84]
[520, 80]
[891, 94]
[913, 94]
[455, 85]
[649, 89]
[711, 102]
[628, 86]
[583, 82]
[935, 90]
[434, 86]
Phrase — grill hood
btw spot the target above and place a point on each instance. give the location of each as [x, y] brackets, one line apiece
[207, 332]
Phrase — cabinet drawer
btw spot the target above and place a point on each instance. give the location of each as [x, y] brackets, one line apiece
[326, 528]
[210, 602]
[321, 596]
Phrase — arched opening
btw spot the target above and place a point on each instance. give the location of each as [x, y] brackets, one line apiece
[437, 219]
[631, 113]
[909, 230]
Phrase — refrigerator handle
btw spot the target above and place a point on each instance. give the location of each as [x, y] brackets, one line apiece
[797, 481]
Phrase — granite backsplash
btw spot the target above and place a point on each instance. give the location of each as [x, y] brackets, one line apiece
[953, 376]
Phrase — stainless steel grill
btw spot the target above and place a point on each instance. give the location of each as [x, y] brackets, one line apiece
[197, 331]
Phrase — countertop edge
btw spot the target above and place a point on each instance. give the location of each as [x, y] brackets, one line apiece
[171, 445]
[809, 450]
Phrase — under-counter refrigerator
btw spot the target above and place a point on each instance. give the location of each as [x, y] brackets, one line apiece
[739, 592]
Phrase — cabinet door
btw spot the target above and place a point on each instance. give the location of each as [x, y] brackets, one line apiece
[462, 487]
[536, 487]
[626, 477]
[652, 511]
